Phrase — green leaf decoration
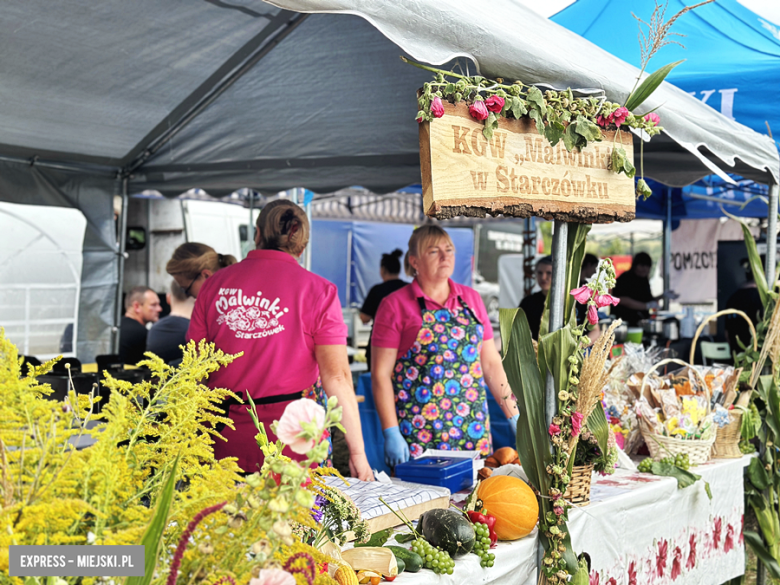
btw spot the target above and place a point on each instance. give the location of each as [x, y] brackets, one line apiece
[620, 162]
[536, 98]
[152, 538]
[490, 125]
[757, 474]
[684, 478]
[533, 443]
[597, 423]
[587, 129]
[519, 108]
[754, 541]
[643, 189]
[628, 168]
[575, 252]
[649, 85]
[554, 132]
[377, 538]
[570, 138]
[536, 116]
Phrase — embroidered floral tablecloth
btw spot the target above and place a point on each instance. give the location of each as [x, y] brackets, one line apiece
[639, 530]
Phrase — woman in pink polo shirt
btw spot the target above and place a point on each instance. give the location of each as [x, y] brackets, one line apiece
[288, 323]
[433, 357]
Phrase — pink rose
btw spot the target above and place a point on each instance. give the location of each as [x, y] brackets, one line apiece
[437, 108]
[581, 295]
[654, 118]
[273, 577]
[478, 110]
[593, 314]
[554, 429]
[576, 424]
[605, 300]
[289, 429]
[495, 104]
[619, 116]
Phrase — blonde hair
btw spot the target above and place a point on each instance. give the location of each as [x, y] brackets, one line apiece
[423, 237]
[283, 226]
[192, 258]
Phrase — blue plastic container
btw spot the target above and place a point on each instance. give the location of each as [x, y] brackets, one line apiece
[453, 473]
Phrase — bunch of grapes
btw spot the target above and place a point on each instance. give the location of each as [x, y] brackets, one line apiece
[482, 546]
[646, 465]
[435, 559]
[746, 447]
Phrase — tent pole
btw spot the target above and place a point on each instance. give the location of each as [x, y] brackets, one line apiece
[668, 245]
[557, 296]
[118, 312]
[771, 236]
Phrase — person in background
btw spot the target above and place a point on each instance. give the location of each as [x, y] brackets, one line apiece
[590, 264]
[288, 323]
[169, 333]
[434, 358]
[193, 263]
[533, 304]
[747, 300]
[142, 306]
[633, 290]
[389, 269]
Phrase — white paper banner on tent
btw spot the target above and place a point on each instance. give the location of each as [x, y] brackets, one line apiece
[694, 263]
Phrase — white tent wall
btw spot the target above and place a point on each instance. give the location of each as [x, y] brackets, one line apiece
[93, 196]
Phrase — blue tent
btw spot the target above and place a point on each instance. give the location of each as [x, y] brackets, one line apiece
[732, 55]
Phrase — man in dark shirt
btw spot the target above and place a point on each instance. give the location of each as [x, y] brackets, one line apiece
[747, 300]
[169, 333]
[142, 306]
[533, 304]
[633, 290]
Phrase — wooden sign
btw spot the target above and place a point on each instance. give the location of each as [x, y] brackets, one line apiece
[517, 173]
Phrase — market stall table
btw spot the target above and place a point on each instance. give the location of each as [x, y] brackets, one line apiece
[639, 529]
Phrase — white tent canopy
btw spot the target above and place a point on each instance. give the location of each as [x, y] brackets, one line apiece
[109, 98]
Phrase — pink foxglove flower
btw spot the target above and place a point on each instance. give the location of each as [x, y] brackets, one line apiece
[554, 430]
[593, 314]
[576, 424]
[581, 295]
[273, 577]
[437, 108]
[654, 118]
[495, 104]
[478, 110]
[606, 300]
[619, 116]
[289, 429]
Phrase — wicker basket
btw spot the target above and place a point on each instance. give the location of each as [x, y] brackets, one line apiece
[578, 490]
[726, 444]
[660, 446]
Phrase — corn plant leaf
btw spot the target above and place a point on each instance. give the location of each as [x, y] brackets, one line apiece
[754, 541]
[754, 259]
[757, 474]
[578, 233]
[533, 443]
[649, 85]
[554, 351]
[597, 424]
[152, 538]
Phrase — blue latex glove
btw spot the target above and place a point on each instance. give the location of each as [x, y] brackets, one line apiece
[513, 423]
[396, 447]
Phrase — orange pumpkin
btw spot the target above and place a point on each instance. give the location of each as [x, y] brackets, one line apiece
[513, 504]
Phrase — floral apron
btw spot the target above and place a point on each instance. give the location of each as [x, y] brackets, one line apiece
[241, 442]
[440, 393]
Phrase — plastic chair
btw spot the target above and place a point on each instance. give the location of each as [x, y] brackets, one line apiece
[712, 350]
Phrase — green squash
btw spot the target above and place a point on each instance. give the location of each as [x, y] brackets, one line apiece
[449, 530]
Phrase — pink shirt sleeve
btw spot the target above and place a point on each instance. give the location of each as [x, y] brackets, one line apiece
[387, 325]
[329, 327]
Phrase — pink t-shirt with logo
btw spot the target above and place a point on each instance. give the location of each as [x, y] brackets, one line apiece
[399, 319]
[273, 310]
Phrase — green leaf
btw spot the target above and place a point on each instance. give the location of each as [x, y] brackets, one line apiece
[754, 258]
[377, 538]
[757, 474]
[490, 125]
[570, 138]
[525, 380]
[587, 129]
[597, 424]
[649, 85]
[644, 190]
[519, 108]
[554, 351]
[536, 116]
[575, 252]
[405, 537]
[152, 538]
[554, 132]
[684, 478]
[753, 539]
[536, 98]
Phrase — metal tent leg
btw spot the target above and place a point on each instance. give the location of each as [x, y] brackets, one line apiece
[119, 309]
[771, 236]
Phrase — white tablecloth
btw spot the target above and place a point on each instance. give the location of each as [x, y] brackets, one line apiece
[639, 530]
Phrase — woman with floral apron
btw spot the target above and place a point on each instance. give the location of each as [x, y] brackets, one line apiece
[434, 359]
